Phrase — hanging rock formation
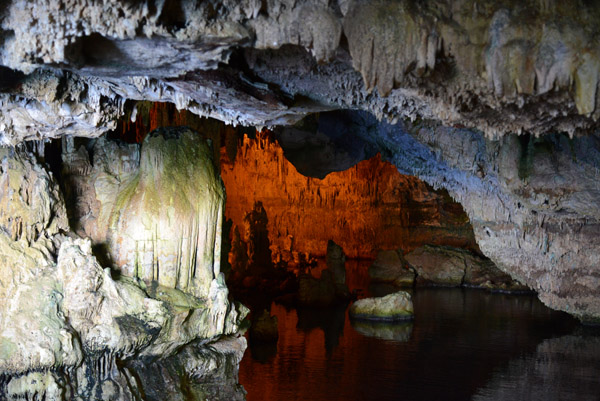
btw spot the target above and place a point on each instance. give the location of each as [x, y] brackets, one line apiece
[156, 210]
[165, 225]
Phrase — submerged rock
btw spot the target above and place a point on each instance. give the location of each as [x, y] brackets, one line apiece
[336, 262]
[331, 286]
[316, 291]
[390, 267]
[264, 328]
[392, 307]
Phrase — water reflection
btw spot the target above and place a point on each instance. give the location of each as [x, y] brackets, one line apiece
[386, 331]
[561, 368]
[330, 320]
[198, 371]
[462, 344]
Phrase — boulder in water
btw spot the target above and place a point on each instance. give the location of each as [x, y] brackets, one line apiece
[393, 307]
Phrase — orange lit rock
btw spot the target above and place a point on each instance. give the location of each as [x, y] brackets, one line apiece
[365, 208]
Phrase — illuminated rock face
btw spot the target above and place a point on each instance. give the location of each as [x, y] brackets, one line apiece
[62, 315]
[165, 225]
[154, 210]
[365, 208]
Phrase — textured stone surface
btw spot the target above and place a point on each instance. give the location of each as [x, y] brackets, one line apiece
[166, 222]
[363, 209]
[392, 307]
[500, 67]
[67, 325]
[443, 266]
[532, 202]
[155, 210]
[390, 267]
[195, 372]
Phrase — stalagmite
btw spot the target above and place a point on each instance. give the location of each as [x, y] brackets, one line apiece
[166, 223]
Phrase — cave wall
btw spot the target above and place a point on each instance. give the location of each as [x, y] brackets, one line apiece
[87, 320]
[531, 201]
[363, 205]
[365, 208]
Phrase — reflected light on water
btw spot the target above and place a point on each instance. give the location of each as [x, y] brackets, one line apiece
[463, 344]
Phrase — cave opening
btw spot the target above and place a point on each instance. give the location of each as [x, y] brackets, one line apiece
[282, 217]
[310, 225]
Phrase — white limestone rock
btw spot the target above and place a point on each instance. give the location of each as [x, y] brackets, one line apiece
[392, 307]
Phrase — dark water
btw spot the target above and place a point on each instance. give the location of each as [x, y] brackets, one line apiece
[463, 344]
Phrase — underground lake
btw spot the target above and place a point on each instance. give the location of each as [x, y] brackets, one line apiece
[463, 344]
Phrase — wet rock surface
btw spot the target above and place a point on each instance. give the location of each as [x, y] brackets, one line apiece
[155, 209]
[391, 267]
[390, 308]
[454, 267]
[496, 102]
[440, 266]
[331, 287]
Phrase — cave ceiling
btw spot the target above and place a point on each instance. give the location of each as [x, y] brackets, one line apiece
[495, 66]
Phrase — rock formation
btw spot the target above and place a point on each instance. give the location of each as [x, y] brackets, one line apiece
[454, 267]
[390, 308]
[86, 319]
[494, 101]
[391, 267]
[264, 328]
[155, 209]
[365, 208]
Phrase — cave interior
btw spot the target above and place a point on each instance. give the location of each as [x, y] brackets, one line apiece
[233, 199]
